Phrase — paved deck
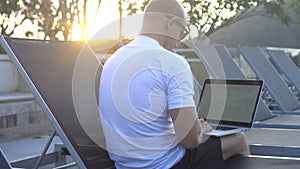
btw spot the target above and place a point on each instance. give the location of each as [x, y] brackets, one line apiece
[27, 147]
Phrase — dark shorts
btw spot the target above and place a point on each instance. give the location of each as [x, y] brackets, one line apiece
[207, 155]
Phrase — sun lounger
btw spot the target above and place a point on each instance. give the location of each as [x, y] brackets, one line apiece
[221, 65]
[286, 66]
[52, 71]
[4, 164]
[219, 61]
[241, 162]
[277, 88]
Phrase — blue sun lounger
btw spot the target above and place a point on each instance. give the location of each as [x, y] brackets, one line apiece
[220, 64]
[64, 78]
[278, 89]
[286, 66]
[270, 132]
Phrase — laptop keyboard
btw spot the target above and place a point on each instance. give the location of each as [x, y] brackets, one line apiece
[224, 128]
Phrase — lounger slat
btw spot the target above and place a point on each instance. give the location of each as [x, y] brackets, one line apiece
[287, 66]
[263, 68]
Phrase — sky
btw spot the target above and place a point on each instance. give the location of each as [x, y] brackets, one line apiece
[106, 25]
[108, 14]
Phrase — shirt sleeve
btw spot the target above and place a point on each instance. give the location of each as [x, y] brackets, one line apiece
[180, 86]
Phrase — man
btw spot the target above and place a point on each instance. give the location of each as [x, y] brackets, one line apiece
[146, 101]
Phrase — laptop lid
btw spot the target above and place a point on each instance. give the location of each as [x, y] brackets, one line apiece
[229, 102]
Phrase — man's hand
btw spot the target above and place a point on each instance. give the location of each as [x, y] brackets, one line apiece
[187, 126]
[205, 126]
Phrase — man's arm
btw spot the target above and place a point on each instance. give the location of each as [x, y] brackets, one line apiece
[189, 129]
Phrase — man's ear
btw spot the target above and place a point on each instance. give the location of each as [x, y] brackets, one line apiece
[171, 22]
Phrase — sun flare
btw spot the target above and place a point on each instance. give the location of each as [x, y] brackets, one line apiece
[108, 13]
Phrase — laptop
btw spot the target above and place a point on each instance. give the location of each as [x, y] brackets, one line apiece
[229, 106]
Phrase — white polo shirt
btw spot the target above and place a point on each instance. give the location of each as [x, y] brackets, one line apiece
[139, 84]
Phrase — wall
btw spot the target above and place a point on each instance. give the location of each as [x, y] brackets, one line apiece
[9, 77]
[20, 114]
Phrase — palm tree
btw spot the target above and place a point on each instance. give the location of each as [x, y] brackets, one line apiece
[121, 19]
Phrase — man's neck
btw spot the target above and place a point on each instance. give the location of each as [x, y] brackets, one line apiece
[159, 38]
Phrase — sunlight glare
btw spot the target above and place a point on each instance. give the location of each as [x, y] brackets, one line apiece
[108, 13]
[76, 33]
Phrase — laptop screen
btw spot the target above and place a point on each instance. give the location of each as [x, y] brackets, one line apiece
[231, 102]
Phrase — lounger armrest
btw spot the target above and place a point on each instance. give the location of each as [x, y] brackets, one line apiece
[286, 112]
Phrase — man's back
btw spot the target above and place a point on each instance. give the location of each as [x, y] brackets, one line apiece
[139, 84]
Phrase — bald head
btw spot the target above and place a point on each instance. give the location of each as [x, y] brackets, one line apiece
[169, 7]
[162, 22]
[157, 11]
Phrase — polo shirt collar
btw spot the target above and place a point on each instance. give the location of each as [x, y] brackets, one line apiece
[146, 40]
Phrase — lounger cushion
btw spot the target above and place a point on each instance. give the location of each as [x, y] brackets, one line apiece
[244, 162]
